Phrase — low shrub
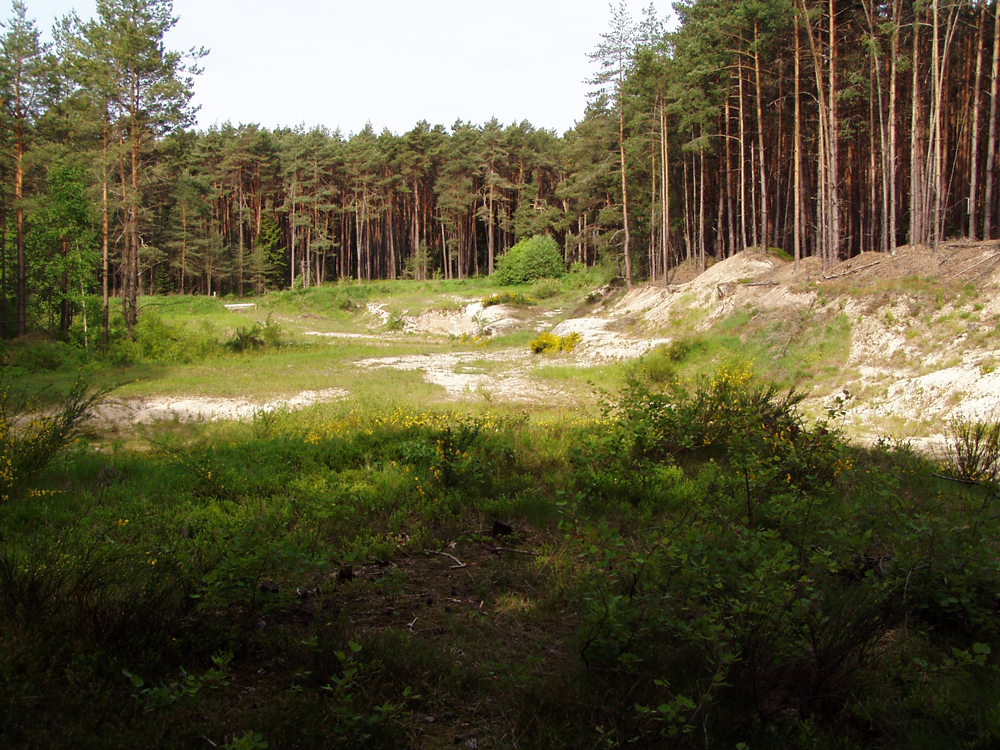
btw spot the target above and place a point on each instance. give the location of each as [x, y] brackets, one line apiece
[546, 289]
[546, 343]
[975, 449]
[266, 335]
[507, 298]
[30, 437]
[45, 355]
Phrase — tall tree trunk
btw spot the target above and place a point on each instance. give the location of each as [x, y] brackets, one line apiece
[291, 229]
[833, 134]
[22, 269]
[760, 138]
[664, 195]
[797, 167]
[976, 107]
[490, 227]
[893, 162]
[131, 293]
[991, 144]
[183, 242]
[3, 257]
[743, 161]
[918, 233]
[621, 152]
[105, 240]
[730, 207]
[687, 211]
[702, 250]
[239, 218]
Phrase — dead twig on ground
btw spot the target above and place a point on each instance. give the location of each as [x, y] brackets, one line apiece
[459, 564]
[511, 549]
[995, 256]
[850, 271]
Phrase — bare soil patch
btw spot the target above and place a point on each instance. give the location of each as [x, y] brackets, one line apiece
[197, 409]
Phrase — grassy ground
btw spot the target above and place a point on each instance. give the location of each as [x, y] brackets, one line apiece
[685, 561]
[687, 568]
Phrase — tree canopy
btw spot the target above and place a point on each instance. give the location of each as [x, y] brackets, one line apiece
[825, 129]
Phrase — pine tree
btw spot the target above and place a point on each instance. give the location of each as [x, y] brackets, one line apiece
[27, 78]
[614, 55]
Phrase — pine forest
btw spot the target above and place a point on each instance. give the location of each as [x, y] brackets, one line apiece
[823, 129]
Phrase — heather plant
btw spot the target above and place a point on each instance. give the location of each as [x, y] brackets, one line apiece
[975, 449]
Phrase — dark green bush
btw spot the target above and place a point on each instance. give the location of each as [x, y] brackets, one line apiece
[48, 356]
[266, 335]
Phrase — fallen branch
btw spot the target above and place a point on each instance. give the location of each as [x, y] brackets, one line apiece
[460, 564]
[510, 549]
[957, 479]
[976, 265]
[852, 270]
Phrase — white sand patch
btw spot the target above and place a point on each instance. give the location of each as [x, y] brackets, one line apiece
[962, 391]
[472, 320]
[197, 409]
[728, 286]
[504, 375]
[872, 339]
[337, 335]
[378, 311]
[600, 344]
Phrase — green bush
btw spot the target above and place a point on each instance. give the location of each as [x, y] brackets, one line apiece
[546, 288]
[160, 341]
[529, 260]
[766, 564]
[46, 356]
[266, 335]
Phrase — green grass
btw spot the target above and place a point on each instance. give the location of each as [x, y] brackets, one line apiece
[329, 578]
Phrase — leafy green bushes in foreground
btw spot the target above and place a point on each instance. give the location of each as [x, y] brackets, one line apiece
[696, 567]
[781, 585]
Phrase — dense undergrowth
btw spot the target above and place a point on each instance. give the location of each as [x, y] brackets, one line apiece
[697, 566]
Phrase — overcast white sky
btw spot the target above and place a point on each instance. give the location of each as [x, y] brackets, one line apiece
[389, 62]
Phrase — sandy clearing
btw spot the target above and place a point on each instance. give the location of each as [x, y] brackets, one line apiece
[464, 376]
[199, 409]
[895, 381]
